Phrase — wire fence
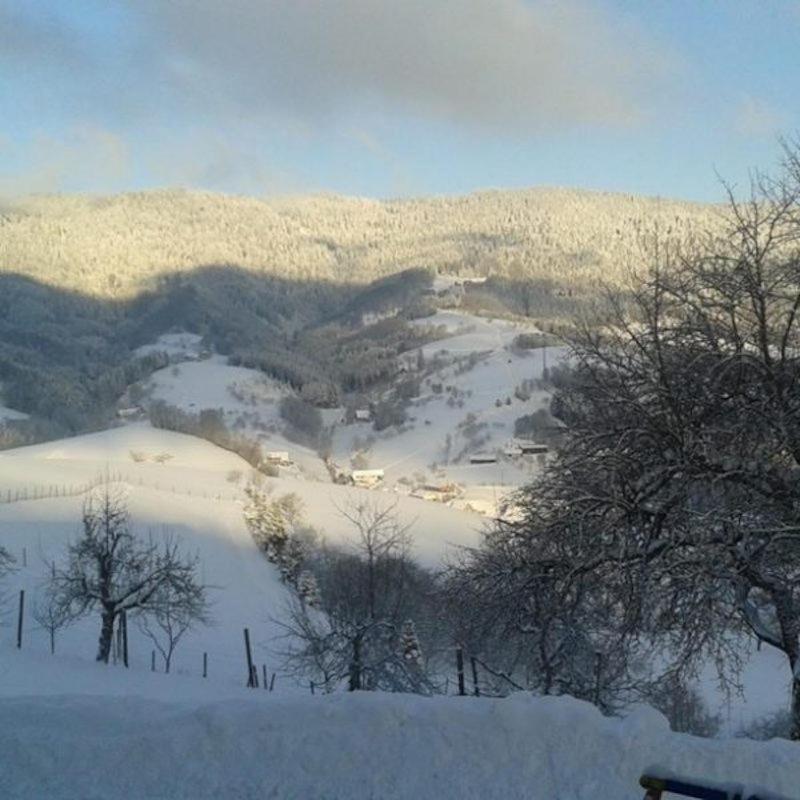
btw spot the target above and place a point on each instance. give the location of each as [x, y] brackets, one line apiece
[29, 493]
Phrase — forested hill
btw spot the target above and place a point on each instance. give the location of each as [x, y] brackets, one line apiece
[116, 246]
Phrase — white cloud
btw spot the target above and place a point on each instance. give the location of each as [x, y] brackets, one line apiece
[509, 65]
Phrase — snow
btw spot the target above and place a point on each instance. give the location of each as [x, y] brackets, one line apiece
[72, 728]
[361, 745]
[248, 399]
[192, 496]
[418, 451]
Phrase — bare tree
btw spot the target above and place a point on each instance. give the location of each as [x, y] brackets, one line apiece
[51, 615]
[352, 634]
[170, 614]
[514, 605]
[110, 569]
[677, 489]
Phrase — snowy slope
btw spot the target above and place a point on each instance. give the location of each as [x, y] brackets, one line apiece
[190, 494]
[362, 745]
[419, 451]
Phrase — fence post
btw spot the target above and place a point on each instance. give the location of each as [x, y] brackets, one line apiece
[152, 661]
[460, 671]
[205, 665]
[311, 686]
[475, 676]
[249, 654]
[272, 682]
[19, 619]
[124, 626]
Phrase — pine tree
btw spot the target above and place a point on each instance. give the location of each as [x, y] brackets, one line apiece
[308, 590]
[409, 646]
[271, 523]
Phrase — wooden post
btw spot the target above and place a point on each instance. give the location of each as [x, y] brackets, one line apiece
[205, 665]
[272, 682]
[249, 654]
[475, 676]
[460, 670]
[255, 676]
[311, 686]
[124, 626]
[264, 683]
[598, 672]
[20, 618]
[152, 661]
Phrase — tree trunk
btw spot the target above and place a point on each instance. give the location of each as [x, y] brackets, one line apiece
[106, 635]
[794, 731]
[355, 667]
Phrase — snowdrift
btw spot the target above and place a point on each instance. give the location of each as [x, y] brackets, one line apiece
[360, 746]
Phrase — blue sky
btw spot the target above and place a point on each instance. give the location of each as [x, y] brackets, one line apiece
[379, 98]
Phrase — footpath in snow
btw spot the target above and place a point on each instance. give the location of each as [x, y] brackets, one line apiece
[360, 746]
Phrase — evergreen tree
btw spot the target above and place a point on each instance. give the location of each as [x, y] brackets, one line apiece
[308, 590]
[409, 646]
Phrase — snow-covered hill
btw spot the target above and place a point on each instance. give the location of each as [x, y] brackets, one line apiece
[193, 489]
[467, 406]
[63, 746]
[116, 245]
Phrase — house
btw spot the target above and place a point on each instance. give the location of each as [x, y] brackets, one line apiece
[133, 412]
[366, 478]
[437, 492]
[512, 450]
[532, 448]
[363, 415]
[280, 457]
[483, 458]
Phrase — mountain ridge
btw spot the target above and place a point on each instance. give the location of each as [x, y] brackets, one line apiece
[118, 245]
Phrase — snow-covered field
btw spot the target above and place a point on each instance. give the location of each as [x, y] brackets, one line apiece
[70, 728]
[96, 740]
[183, 485]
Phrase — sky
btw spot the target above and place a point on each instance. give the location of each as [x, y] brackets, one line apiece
[387, 98]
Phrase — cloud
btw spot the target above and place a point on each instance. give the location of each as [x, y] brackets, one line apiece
[755, 119]
[216, 93]
[509, 65]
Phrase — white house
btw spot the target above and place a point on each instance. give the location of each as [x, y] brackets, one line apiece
[531, 448]
[363, 415]
[277, 457]
[367, 478]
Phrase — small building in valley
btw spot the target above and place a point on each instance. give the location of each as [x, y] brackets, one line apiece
[278, 457]
[131, 412]
[367, 478]
[483, 458]
[532, 448]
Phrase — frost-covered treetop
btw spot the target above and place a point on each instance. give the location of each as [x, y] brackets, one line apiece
[117, 245]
